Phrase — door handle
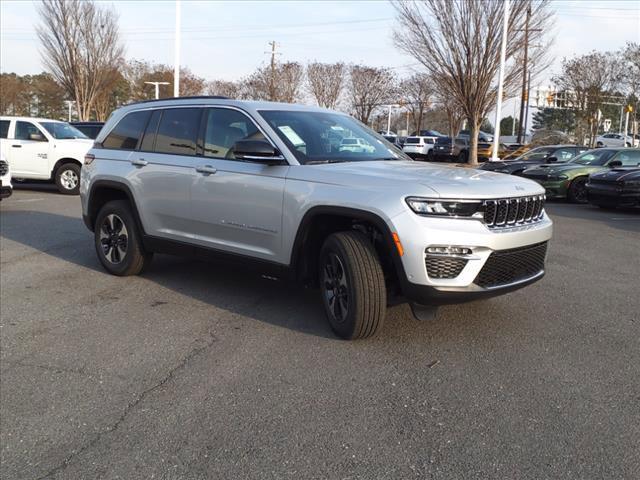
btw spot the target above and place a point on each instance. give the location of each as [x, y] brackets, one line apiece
[139, 162]
[16, 146]
[206, 169]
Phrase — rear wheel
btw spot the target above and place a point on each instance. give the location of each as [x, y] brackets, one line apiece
[578, 190]
[67, 178]
[462, 157]
[117, 240]
[352, 285]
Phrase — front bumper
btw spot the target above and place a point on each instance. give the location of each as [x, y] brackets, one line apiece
[552, 188]
[417, 233]
[613, 195]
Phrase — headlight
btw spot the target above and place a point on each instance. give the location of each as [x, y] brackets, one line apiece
[557, 177]
[443, 208]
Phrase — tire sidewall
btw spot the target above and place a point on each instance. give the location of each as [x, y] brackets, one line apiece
[346, 328]
[122, 210]
[572, 189]
[63, 168]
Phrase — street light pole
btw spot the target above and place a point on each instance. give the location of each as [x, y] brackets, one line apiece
[157, 85]
[176, 68]
[503, 54]
[69, 103]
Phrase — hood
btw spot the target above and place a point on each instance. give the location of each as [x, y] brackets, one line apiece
[618, 175]
[79, 146]
[558, 168]
[443, 181]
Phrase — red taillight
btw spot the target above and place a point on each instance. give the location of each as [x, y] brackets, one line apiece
[88, 158]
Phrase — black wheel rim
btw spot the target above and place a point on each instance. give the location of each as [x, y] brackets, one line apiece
[114, 239]
[336, 290]
[580, 191]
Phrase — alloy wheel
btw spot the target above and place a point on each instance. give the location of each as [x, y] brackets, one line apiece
[336, 290]
[114, 238]
[69, 179]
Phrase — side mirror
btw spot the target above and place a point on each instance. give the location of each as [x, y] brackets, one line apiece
[38, 137]
[552, 159]
[258, 151]
[614, 164]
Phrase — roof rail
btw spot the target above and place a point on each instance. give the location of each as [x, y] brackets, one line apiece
[196, 97]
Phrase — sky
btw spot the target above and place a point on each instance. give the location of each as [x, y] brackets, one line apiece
[227, 40]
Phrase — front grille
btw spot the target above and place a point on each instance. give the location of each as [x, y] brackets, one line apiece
[444, 267]
[510, 212]
[4, 167]
[509, 266]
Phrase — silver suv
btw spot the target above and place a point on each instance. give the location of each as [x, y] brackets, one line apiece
[274, 183]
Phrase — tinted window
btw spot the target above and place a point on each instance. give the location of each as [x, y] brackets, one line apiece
[412, 140]
[150, 133]
[25, 129]
[178, 131]
[126, 135]
[224, 128]
[4, 128]
[564, 154]
[443, 141]
[89, 130]
[629, 158]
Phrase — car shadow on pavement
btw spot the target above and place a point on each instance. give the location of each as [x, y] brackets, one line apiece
[240, 291]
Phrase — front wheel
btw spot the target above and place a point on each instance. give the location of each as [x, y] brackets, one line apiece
[117, 240]
[67, 179]
[578, 190]
[352, 285]
[462, 157]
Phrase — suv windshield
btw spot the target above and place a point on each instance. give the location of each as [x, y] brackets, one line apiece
[62, 131]
[594, 157]
[325, 137]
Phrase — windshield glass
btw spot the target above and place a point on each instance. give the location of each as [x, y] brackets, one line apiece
[62, 131]
[325, 137]
[593, 157]
[536, 154]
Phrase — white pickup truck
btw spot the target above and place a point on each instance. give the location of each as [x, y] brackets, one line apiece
[43, 149]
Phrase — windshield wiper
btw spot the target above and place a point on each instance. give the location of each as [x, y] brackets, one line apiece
[331, 160]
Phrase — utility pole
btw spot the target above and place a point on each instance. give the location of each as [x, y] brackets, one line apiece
[526, 111]
[157, 85]
[525, 70]
[272, 77]
[176, 67]
[503, 54]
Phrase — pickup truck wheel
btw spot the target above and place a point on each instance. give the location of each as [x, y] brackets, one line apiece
[68, 179]
[118, 242]
[578, 191]
[352, 284]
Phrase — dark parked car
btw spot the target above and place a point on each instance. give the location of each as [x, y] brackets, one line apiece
[90, 129]
[394, 139]
[445, 150]
[618, 187]
[427, 133]
[536, 156]
[482, 136]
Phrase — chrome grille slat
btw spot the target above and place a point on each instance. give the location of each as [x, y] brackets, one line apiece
[514, 211]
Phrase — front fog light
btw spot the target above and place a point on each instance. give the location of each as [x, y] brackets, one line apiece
[449, 250]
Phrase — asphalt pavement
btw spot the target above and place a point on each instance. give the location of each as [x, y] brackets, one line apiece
[196, 371]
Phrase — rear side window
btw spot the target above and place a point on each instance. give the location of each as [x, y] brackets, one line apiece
[178, 131]
[127, 133]
[4, 128]
[411, 140]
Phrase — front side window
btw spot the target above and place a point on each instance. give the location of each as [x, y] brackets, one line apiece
[62, 131]
[224, 128]
[325, 137]
[4, 128]
[629, 158]
[178, 131]
[127, 133]
[25, 130]
[594, 157]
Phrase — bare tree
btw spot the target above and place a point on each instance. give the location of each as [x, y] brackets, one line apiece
[369, 88]
[458, 43]
[326, 81]
[417, 92]
[80, 47]
[282, 83]
[588, 81]
[224, 88]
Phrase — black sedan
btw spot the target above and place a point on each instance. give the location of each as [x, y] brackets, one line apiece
[90, 129]
[535, 156]
[618, 187]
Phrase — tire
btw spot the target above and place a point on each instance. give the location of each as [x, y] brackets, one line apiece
[599, 145]
[351, 275]
[462, 157]
[67, 179]
[577, 192]
[118, 241]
